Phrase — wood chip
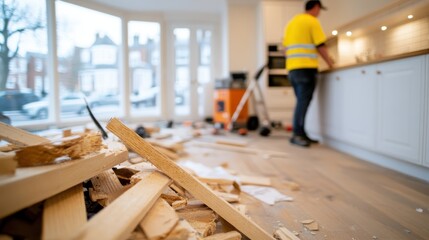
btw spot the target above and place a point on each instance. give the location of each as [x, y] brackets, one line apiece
[108, 183]
[202, 219]
[95, 195]
[182, 231]
[8, 163]
[232, 235]
[308, 221]
[73, 147]
[179, 204]
[293, 186]
[310, 224]
[159, 221]
[284, 234]
[67, 133]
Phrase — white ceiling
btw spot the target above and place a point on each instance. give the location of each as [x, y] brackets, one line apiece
[212, 6]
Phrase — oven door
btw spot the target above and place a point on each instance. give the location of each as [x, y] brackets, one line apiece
[277, 62]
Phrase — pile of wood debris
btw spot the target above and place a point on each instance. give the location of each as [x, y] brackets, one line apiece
[146, 197]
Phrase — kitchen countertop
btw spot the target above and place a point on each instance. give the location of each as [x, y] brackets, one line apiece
[383, 59]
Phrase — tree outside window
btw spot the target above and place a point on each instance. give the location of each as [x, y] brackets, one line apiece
[23, 51]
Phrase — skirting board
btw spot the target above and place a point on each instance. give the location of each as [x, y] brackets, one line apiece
[406, 168]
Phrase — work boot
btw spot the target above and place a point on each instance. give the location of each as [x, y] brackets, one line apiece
[311, 140]
[300, 141]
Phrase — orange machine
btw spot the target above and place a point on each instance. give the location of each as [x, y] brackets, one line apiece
[228, 94]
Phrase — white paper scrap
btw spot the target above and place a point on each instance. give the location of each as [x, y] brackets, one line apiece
[268, 195]
[203, 171]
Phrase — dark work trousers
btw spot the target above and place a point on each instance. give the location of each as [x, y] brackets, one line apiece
[304, 83]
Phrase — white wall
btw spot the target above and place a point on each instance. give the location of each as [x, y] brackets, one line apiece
[242, 36]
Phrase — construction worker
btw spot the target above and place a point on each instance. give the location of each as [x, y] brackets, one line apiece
[303, 39]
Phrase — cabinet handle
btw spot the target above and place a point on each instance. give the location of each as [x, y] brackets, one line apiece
[363, 71]
[378, 72]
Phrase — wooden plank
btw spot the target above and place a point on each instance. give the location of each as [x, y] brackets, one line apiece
[256, 151]
[18, 191]
[172, 155]
[174, 146]
[254, 180]
[121, 217]
[220, 181]
[231, 142]
[63, 214]
[159, 221]
[19, 137]
[189, 182]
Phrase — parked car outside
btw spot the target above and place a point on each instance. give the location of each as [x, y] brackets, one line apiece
[15, 100]
[146, 98]
[72, 103]
[102, 100]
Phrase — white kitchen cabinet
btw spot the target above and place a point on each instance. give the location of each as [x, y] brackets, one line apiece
[400, 108]
[276, 15]
[359, 88]
[331, 105]
[280, 102]
[377, 112]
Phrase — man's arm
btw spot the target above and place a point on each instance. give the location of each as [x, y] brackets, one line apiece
[323, 51]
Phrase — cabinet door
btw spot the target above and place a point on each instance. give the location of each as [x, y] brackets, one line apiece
[280, 103]
[359, 106]
[331, 105]
[276, 15]
[400, 107]
[313, 118]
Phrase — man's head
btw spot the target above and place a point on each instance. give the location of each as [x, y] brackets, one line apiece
[313, 7]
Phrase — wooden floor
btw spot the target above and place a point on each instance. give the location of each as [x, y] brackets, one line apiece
[347, 197]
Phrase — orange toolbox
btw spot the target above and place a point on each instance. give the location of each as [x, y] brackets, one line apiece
[228, 93]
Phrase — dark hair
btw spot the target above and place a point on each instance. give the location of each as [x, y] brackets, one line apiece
[310, 4]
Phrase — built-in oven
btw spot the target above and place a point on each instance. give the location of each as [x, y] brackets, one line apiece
[277, 73]
[278, 80]
[276, 60]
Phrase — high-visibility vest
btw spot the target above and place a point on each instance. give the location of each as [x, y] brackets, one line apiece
[301, 37]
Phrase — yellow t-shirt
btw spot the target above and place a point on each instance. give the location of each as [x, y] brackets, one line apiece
[301, 36]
